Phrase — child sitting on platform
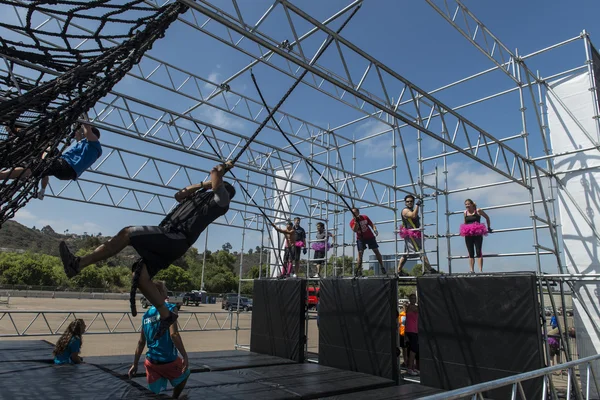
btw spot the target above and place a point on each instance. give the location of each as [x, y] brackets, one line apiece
[68, 346]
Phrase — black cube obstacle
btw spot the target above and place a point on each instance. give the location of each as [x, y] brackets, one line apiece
[358, 325]
[478, 328]
[279, 318]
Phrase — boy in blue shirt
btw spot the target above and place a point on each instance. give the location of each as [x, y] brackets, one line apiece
[162, 361]
[69, 166]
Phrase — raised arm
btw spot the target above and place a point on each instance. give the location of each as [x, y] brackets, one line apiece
[280, 230]
[216, 179]
[414, 213]
[138, 352]
[178, 342]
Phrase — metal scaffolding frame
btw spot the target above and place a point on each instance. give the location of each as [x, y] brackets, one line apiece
[173, 140]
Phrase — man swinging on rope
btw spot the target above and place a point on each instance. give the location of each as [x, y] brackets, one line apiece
[412, 245]
[159, 246]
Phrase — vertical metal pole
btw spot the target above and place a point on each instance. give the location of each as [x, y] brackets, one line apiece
[394, 195]
[446, 200]
[204, 257]
[421, 196]
[437, 222]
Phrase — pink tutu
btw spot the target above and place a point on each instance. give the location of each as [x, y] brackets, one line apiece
[320, 246]
[409, 233]
[473, 229]
[299, 243]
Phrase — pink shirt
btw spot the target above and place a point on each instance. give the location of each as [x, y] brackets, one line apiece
[412, 322]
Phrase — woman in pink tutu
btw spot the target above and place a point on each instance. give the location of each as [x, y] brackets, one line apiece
[474, 231]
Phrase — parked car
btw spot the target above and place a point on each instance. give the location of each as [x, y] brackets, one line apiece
[194, 298]
[230, 303]
[227, 300]
[171, 298]
[313, 297]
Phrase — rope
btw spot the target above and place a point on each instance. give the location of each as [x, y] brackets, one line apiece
[248, 195]
[294, 85]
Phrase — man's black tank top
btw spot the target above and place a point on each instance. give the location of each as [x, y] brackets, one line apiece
[405, 221]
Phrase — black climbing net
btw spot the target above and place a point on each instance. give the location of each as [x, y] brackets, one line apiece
[57, 59]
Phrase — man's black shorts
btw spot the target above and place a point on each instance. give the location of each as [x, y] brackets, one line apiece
[57, 167]
[289, 254]
[297, 252]
[158, 247]
[361, 244]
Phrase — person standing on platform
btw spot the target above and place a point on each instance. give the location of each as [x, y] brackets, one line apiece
[402, 332]
[162, 362]
[300, 244]
[474, 231]
[320, 246]
[68, 347]
[362, 225]
[412, 235]
[289, 254]
[412, 333]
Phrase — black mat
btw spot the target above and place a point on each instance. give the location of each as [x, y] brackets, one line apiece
[358, 325]
[199, 361]
[479, 328]
[68, 382]
[278, 318]
[25, 350]
[295, 381]
[403, 392]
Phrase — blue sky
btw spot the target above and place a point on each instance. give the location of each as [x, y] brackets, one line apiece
[409, 37]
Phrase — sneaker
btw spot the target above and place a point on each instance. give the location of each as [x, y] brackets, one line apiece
[316, 276]
[40, 195]
[358, 272]
[165, 324]
[413, 372]
[430, 271]
[70, 262]
[383, 271]
[401, 273]
[293, 275]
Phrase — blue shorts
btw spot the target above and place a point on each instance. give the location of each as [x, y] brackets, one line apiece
[362, 244]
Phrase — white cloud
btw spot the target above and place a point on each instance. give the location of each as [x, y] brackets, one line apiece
[465, 175]
[214, 77]
[376, 147]
[24, 215]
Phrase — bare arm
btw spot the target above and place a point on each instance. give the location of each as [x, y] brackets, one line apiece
[191, 189]
[411, 214]
[76, 359]
[280, 230]
[138, 352]
[487, 217]
[178, 342]
[87, 132]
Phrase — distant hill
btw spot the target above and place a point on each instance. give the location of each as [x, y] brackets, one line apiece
[19, 238]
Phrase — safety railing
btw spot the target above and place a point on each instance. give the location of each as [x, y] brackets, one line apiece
[48, 323]
[574, 391]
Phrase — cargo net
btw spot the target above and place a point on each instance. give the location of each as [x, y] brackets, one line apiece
[57, 59]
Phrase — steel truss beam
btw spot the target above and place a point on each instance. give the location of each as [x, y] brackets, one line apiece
[107, 322]
[389, 86]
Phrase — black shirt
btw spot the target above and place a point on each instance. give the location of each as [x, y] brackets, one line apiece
[300, 234]
[192, 216]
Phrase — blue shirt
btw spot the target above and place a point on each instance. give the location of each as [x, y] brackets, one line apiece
[81, 156]
[162, 350]
[553, 322]
[74, 346]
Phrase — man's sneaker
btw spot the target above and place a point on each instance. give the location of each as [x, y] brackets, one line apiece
[413, 372]
[165, 324]
[430, 271]
[383, 271]
[358, 273]
[401, 273]
[70, 262]
[316, 276]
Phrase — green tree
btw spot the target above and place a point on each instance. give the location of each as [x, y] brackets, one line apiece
[90, 277]
[224, 259]
[28, 269]
[219, 279]
[417, 270]
[176, 278]
[227, 247]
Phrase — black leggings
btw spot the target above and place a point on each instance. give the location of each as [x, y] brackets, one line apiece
[474, 245]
